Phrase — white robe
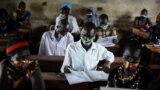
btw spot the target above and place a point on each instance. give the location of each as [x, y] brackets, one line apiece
[50, 46]
[73, 25]
[81, 60]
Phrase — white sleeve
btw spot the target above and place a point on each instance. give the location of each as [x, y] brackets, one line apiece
[108, 56]
[57, 22]
[67, 59]
[75, 26]
[42, 45]
[71, 39]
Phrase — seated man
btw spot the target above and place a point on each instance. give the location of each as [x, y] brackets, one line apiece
[22, 16]
[106, 35]
[131, 74]
[55, 42]
[91, 16]
[142, 24]
[85, 55]
[72, 22]
[17, 72]
[8, 27]
[105, 28]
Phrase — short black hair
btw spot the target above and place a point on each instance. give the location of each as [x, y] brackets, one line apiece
[103, 16]
[144, 10]
[89, 25]
[133, 44]
[88, 10]
[22, 4]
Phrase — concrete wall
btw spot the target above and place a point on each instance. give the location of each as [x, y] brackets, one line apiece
[120, 12]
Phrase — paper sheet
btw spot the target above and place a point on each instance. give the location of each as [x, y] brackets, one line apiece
[85, 76]
[107, 41]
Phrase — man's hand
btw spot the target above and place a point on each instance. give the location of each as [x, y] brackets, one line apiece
[68, 68]
[103, 66]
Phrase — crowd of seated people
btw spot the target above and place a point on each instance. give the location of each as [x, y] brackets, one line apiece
[84, 53]
[10, 24]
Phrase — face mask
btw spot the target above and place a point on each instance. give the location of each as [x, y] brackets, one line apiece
[145, 16]
[20, 55]
[132, 58]
[62, 27]
[104, 27]
[87, 41]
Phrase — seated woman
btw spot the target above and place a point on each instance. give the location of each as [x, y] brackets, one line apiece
[131, 74]
[106, 36]
[8, 27]
[22, 16]
[55, 42]
[16, 71]
[142, 24]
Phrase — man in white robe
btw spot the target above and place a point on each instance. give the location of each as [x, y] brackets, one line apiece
[72, 21]
[55, 42]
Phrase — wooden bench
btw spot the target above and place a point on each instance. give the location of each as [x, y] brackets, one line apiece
[113, 49]
[54, 63]
[54, 81]
[49, 63]
[24, 33]
[50, 66]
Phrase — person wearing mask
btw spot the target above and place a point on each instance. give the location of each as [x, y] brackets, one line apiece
[131, 74]
[85, 55]
[8, 27]
[22, 16]
[142, 24]
[104, 26]
[55, 42]
[16, 71]
[72, 21]
[106, 35]
[91, 16]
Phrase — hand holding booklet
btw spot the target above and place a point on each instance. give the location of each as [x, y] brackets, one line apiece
[85, 76]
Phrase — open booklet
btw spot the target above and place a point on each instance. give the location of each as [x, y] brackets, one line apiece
[85, 76]
[107, 41]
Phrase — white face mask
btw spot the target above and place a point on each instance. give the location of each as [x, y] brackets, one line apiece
[104, 27]
[21, 55]
[145, 16]
[87, 41]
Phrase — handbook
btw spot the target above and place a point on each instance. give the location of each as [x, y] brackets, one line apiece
[85, 76]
